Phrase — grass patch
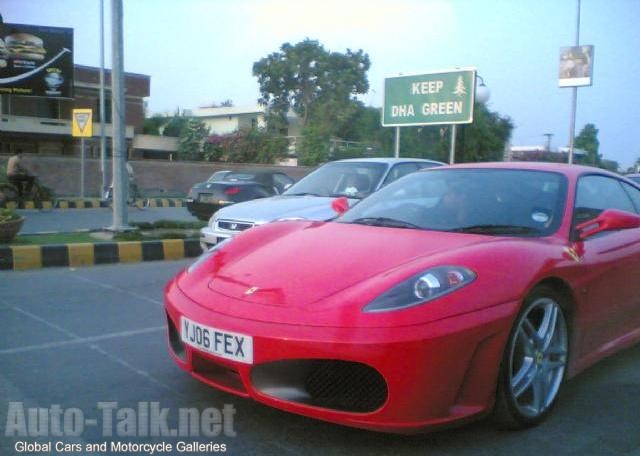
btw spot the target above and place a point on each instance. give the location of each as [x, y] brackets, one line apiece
[55, 238]
[129, 236]
[170, 224]
[99, 237]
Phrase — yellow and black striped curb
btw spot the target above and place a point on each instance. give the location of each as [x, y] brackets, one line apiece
[87, 254]
[164, 202]
[28, 205]
[90, 203]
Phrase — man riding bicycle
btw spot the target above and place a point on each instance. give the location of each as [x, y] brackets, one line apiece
[19, 176]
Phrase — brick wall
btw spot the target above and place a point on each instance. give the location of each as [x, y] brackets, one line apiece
[62, 174]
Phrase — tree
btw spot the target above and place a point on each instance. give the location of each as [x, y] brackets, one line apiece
[228, 103]
[247, 146]
[175, 125]
[153, 124]
[485, 138]
[314, 148]
[312, 81]
[587, 140]
[192, 143]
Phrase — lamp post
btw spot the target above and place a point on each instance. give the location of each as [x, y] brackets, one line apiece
[482, 95]
[482, 91]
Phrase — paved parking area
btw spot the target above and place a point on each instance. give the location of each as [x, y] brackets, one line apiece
[76, 338]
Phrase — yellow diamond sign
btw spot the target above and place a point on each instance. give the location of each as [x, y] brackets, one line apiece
[82, 123]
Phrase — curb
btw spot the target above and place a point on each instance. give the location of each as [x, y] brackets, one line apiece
[88, 254]
[90, 203]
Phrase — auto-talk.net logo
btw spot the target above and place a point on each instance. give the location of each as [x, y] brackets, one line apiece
[149, 419]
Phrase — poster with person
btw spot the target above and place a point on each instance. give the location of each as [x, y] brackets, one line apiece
[576, 66]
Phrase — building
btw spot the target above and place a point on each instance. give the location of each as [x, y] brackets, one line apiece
[40, 125]
[540, 153]
[228, 119]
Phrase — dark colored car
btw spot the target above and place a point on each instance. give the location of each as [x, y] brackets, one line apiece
[228, 187]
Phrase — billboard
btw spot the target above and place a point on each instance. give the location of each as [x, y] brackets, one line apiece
[576, 66]
[36, 60]
[443, 97]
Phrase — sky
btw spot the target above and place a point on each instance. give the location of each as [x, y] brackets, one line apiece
[202, 51]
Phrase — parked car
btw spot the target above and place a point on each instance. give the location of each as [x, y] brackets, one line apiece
[449, 294]
[311, 197]
[634, 177]
[228, 187]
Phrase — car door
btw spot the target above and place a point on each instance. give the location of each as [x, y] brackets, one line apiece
[610, 263]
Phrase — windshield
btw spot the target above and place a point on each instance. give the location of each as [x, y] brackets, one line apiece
[484, 201]
[217, 176]
[350, 179]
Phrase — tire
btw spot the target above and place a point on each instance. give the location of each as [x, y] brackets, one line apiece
[534, 362]
[8, 193]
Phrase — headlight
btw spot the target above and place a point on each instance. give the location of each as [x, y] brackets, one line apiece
[206, 255]
[421, 288]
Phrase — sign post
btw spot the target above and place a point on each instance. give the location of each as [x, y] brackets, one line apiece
[82, 127]
[436, 98]
[576, 70]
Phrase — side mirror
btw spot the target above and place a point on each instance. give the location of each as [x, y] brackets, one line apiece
[340, 205]
[610, 219]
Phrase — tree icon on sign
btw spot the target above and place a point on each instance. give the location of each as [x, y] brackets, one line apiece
[460, 87]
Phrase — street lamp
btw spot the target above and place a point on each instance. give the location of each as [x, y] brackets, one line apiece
[482, 95]
[482, 91]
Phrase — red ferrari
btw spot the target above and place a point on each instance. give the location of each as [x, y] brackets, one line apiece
[449, 294]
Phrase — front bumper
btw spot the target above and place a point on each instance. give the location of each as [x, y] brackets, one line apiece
[213, 233]
[203, 210]
[433, 374]
[210, 237]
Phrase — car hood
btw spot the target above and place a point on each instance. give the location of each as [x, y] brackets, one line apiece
[279, 207]
[293, 266]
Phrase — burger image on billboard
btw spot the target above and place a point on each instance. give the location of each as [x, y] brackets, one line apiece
[25, 46]
[4, 54]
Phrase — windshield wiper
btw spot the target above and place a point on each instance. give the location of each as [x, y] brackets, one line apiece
[496, 229]
[385, 221]
[302, 194]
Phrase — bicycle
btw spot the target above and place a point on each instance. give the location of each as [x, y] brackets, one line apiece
[39, 193]
[134, 196]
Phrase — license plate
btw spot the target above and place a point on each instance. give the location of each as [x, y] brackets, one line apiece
[206, 198]
[225, 344]
[211, 199]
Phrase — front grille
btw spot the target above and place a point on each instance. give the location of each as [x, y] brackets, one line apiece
[232, 225]
[331, 384]
[343, 385]
[174, 340]
[218, 374]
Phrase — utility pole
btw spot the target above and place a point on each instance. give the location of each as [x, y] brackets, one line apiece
[119, 144]
[574, 96]
[103, 138]
[548, 145]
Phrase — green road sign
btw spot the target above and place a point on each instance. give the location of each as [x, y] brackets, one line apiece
[445, 97]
